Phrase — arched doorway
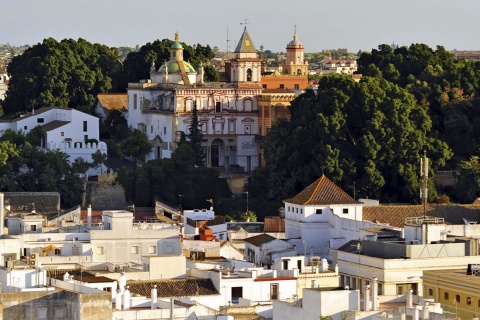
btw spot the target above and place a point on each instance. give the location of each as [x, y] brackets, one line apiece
[216, 152]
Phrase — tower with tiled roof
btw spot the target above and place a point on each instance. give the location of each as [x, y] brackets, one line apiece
[321, 214]
[245, 69]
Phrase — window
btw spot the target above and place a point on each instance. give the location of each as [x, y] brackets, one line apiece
[40, 120]
[445, 295]
[296, 209]
[59, 313]
[99, 250]
[85, 126]
[430, 292]
[85, 137]
[151, 129]
[274, 291]
[218, 106]
[399, 289]
[58, 252]
[345, 210]
[152, 249]
[164, 130]
[264, 86]
[135, 249]
[469, 301]
[318, 211]
[25, 128]
[42, 313]
[135, 101]
[33, 228]
[282, 86]
[62, 133]
[237, 292]
[301, 211]
[457, 298]
[296, 86]
[249, 74]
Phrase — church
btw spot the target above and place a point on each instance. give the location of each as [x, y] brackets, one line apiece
[228, 111]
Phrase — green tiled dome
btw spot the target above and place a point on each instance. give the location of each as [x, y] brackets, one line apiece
[173, 67]
[176, 45]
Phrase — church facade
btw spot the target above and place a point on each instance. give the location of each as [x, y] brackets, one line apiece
[228, 112]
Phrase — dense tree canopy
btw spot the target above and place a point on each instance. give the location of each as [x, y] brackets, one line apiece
[370, 133]
[64, 74]
[26, 168]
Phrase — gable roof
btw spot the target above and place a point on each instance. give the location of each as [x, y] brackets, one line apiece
[245, 44]
[55, 124]
[395, 215]
[174, 288]
[260, 239]
[322, 192]
[113, 101]
[273, 224]
[36, 112]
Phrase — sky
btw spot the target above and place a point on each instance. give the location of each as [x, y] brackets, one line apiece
[320, 25]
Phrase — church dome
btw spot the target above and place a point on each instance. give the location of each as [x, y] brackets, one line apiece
[295, 41]
[174, 67]
[176, 45]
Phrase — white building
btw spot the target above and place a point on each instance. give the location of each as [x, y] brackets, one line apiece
[67, 130]
[161, 107]
[265, 249]
[323, 217]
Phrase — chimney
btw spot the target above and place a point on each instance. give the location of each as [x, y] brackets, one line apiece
[118, 300]
[409, 298]
[123, 281]
[366, 300]
[89, 216]
[126, 299]
[2, 212]
[416, 312]
[154, 297]
[374, 294]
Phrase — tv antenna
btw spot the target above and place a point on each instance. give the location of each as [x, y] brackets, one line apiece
[228, 41]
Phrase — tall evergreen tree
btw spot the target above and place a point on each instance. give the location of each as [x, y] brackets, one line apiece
[195, 137]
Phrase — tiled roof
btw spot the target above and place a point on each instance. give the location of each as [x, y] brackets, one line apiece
[54, 125]
[245, 44]
[36, 112]
[24, 202]
[113, 101]
[260, 239]
[274, 224]
[322, 192]
[174, 288]
[395, 215]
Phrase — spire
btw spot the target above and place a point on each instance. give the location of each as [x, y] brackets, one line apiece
[245, 44]
[176, 36]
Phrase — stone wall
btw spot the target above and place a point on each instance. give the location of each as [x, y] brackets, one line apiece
[104, 196]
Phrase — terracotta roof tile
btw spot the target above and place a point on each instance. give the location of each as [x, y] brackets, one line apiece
[113, 101]
[260, 239]
[395, 215]
[322, 192]
[274, 224]
[174, 288]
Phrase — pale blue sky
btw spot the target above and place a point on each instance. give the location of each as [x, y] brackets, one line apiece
[352, 24]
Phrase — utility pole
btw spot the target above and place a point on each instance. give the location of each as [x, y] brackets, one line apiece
[424, 189]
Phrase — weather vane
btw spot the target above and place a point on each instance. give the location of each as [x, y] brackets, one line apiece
[244, 22]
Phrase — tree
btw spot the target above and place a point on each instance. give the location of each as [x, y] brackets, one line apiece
[468, 186]
[195, 137]
[135, 147]
[99, 160]
[64, 74]
[371, 133]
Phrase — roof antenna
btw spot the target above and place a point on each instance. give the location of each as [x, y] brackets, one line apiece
[323, 170]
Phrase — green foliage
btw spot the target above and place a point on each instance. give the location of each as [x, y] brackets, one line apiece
[24, 167]
[64, 74]
[135, 147]
[166, 179]
[211, 74]
[99, 159]
[195, 137]
[468, 176]
[371, 133]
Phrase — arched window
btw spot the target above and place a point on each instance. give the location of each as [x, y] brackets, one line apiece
[299, 72]
[249, 74]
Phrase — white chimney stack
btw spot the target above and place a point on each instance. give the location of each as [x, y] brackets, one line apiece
[89, 216]
[374, 294]
[126, 299]
[118, 300]
[154, 297]
[123, 282]
[410, 298]
[2, 212]
[366, 300]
